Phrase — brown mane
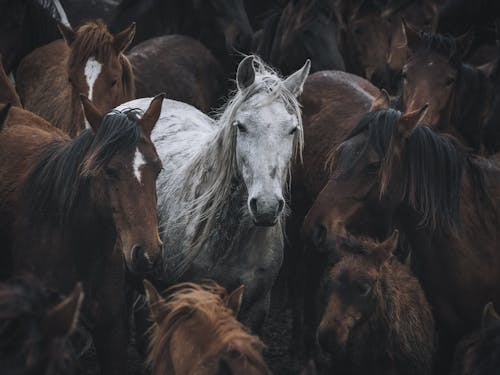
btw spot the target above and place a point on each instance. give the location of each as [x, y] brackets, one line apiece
[207, 301]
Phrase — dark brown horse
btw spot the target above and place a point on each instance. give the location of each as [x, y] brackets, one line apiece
[301, 30]
[8, 93]
[479, 353]
[459, 95]
[390, 172]
[90, 206]
[180, 66]
[376, 317]
[196, 332]
[88, 61]
[35, 327]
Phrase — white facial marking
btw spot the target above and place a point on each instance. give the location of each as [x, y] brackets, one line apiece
[138, 163]
[92, 70]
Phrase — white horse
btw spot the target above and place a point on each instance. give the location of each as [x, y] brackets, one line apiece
[221, 193]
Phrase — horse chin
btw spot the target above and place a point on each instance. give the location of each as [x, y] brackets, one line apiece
[265, 223]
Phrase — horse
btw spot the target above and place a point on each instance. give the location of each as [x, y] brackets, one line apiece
[376, 317]
[301, 30]
[221, 25]
[180, 66]
[90, 203]
[221, 195]
[196, 331]
[35, 328]
[459, 95]
[88, 61]
[479, 352]
[24, 26]
[388, 173]
[332, 104]
[372, 38]
[8, 93]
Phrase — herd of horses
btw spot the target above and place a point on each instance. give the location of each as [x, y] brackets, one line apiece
[162, 186]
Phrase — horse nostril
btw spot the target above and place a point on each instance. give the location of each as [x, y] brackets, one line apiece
[253, 205]
[137, 254]
[281, 204]
[318, 235]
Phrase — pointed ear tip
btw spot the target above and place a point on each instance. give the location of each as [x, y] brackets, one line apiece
[161, 95]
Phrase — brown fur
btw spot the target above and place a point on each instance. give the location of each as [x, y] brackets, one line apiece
[51, 78]
[196, 332]
[376, 317]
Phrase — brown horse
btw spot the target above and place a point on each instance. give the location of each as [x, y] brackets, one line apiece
[180, 66]
[479, 353]
[376, 318]
[8, 93]
[333, 102]
[390, 172]
[34, 328]
[459, 95]
[88, 61]
[196, 332]
[90, 205]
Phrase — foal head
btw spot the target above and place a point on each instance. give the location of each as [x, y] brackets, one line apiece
[266, 125]
[353, 289]
[34, 330]
[196, 332]
[97, 66]
[122, 166]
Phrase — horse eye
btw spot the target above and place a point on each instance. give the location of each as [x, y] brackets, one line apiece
[293, 131]
[111, 172]
[373, 167]
[240, 126]
[450, 81]
[363, 289]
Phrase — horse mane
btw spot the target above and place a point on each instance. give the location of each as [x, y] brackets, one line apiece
[55, 184]
[23, 308]
[432, 167]
[441, 44]
[214, 168]
[207, 301]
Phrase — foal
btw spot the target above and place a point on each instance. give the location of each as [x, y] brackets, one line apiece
[376, 318]
[34, 330]
[196, 332]
[89, 61]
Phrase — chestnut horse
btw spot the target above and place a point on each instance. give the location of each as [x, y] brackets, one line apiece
[479, 352]
[196, 332]
[35, 328]
[390, 172]
[90, 205]
[376, 318]
[88, 61]
[180, 66]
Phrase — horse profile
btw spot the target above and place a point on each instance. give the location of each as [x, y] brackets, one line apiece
[91, 204]
[35, 327]
[221, 195]
[377, 319]
[88, 61]
[390, 172]
[479, 352]
[196, 331]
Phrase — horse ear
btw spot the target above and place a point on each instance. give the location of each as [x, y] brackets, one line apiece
[152, 114]
[92, 114]
[411, 35]
[295, 82]
[123, 39]
[3, 114]
[234, 299]
[408, 121]
[154, 300]
[385, 249]
[245, 75]
[382, 101]
[490, 315]
[464, 43]
[62, 319]
[67, 33]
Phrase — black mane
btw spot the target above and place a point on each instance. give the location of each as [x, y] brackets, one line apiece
[432, 166]
[444, 45]
[62, 175]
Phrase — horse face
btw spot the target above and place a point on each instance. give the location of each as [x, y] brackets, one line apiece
[264, 147]
[349, 302]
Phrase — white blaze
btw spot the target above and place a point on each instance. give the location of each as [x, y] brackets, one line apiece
[92, 70]
[138, 163]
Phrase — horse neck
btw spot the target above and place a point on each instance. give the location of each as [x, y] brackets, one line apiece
[76, 122]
